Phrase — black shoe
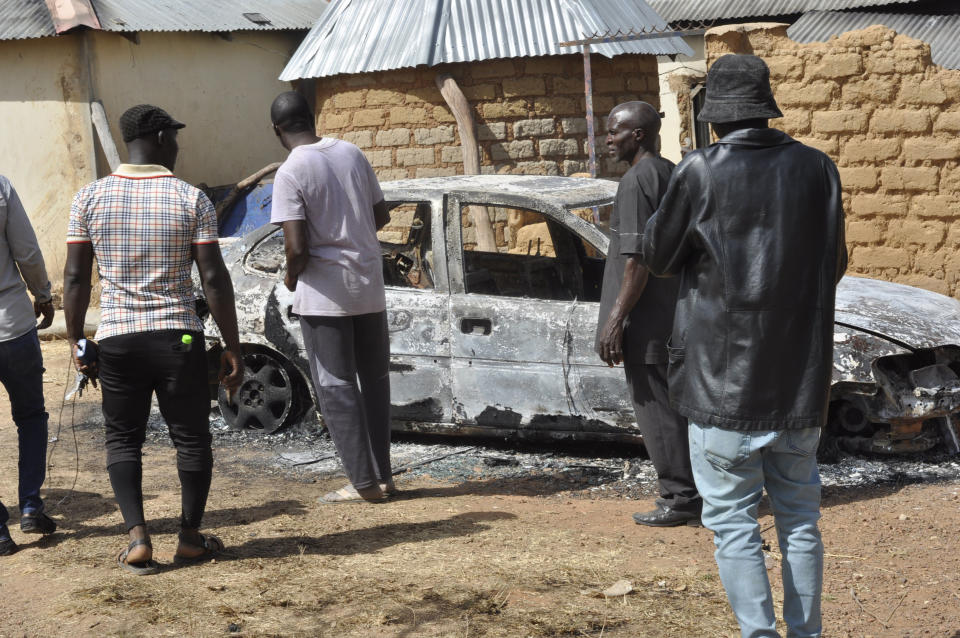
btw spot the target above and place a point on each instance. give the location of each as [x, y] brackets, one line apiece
[7, 547]
[37, 524]
[667, 517]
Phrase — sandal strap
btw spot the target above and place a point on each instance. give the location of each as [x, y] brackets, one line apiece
[137, 542]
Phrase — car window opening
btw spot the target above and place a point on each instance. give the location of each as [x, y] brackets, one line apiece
[405, 243]
[536, 258]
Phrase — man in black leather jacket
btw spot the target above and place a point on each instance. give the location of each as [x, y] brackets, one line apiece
[753, 225]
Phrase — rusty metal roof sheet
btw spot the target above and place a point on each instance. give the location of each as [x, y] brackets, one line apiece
[24, 19]
[700, 10]
[32, 19]
[209, 15]
[359, 36]
[939, 31]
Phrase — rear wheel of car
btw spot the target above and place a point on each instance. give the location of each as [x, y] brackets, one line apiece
[265, 399]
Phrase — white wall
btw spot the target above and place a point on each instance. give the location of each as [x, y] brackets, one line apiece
[670, 127]
[45, 134]
[222, 90]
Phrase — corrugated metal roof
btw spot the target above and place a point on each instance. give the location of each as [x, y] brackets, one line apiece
[208, 15]
[939, 31]
[359, 36]
[24, 19]
[31, 18]
[699, 10]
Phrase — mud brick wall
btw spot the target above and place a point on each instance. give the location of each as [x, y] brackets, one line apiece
[873, 101]
[530, 114]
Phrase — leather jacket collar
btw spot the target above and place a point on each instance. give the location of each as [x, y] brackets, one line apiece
[757, 137]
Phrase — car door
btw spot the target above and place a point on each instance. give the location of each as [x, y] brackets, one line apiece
[417, 291]
[519, 330]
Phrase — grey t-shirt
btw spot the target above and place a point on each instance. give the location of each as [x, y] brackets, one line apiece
[649, 324]
[21, 267]
[332, 187]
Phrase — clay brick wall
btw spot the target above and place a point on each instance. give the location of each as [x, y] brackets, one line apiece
[530, 114]
[873, 101]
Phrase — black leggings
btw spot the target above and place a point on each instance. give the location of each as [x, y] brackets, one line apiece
[132, 368]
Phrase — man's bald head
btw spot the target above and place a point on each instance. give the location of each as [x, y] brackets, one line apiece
[633, 130]
[638, 115]
[291, 113]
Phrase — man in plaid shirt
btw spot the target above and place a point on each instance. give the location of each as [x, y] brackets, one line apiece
[146, 229]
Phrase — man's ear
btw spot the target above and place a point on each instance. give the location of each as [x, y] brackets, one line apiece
[639, 134]
[276, 130]
[160, 138]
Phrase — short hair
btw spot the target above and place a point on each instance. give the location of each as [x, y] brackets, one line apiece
[639, 115]
[291, 113]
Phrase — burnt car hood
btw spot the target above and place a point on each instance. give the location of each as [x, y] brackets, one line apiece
[911, 317]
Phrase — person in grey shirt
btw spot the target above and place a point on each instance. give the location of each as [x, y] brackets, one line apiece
[21, 362]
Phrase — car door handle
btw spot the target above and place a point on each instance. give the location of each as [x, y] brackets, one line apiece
[475, 326]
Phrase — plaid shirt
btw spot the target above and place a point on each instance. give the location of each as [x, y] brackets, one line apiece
[142, 222]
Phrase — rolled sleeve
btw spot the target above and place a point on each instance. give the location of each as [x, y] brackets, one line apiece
[206, 231]
[77, 232]
[287, 204]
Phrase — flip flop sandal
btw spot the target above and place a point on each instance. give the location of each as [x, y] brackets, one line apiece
[347, 494]
[211, 545]
[145, 568]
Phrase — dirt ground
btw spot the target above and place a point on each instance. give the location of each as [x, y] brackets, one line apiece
[518, 556]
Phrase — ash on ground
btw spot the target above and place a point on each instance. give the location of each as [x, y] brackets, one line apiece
[305, 452]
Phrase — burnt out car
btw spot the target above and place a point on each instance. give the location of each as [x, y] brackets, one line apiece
[500, 342]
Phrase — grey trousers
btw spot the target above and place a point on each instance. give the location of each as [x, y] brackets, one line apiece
[664, 435]
[349, 362]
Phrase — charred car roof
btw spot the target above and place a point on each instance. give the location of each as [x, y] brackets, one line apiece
[563, 192]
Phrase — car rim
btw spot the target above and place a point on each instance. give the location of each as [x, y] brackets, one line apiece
[264, 399]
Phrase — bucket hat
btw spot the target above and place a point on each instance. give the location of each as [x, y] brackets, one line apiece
[738, 88]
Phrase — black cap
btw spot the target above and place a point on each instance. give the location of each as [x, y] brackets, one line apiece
[145, 119]
[738, 88]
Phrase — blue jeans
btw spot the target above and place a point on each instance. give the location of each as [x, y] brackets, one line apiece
[21, 373]
[731, 469]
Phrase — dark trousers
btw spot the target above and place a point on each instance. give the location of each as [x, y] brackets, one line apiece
[133, 367]
[21, 373]
[349, 363]
[664, 436]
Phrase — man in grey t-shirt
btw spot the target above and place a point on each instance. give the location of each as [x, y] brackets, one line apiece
[327, 198]
[21, 362]
[636, 313]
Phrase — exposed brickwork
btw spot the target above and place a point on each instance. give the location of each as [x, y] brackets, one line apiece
[530, 114]
[873, 101]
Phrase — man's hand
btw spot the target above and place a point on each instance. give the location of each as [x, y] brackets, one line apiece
[231, 372]
[290, 281]
[45, 309]
[89, 369]
[611, 342]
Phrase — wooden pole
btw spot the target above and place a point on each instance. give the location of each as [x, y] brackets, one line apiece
[463, 114]
[99, 117]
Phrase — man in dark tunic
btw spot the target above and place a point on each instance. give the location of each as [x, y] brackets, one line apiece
[636, 312]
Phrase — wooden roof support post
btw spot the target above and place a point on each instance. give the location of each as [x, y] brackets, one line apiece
[463, 113]
[99, 117]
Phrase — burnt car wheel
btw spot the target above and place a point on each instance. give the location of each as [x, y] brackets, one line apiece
[265, 398]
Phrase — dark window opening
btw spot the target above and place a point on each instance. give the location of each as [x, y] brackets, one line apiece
[405, 246]
[538, 259]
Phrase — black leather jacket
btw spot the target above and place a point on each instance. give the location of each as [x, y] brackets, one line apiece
[754, 227]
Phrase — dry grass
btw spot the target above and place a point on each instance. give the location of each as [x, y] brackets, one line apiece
[480, 560]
